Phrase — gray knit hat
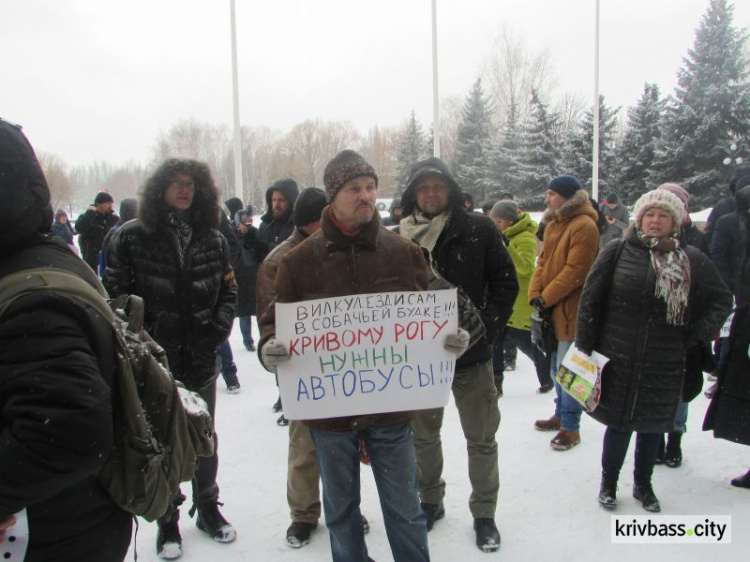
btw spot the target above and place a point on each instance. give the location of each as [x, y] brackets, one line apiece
[505, 210]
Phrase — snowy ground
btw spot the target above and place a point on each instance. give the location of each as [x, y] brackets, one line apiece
[547, 508]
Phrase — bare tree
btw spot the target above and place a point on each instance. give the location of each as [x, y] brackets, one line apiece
[512, 72]
[570, 109]
[379, 148]
[60, 185]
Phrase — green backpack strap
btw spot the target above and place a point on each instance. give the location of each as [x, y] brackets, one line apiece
[51, 279]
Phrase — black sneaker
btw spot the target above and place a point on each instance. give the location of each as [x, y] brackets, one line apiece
[298, 534]
[211, 521]
[488, 537]
[433, 512]
[365, 525]
[644, 493]
[168, 540]
[282, 421]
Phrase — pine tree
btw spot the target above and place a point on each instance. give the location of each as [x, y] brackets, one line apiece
[638, 145]
[472, 138]
[541, 151]
[711, 109]
[503, 165]
[577, 153]
[411, 149]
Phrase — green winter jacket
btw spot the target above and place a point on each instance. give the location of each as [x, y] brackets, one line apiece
[522, 249]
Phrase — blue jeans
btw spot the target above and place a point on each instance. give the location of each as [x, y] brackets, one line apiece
[228, 368]
[246, 330]
[566, 407]
[394, 467]
[680, 419]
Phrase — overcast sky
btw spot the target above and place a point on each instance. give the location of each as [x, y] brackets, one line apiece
[99, 79]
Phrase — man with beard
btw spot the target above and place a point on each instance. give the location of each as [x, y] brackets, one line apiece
[465, 248]
[277, 224]
[353, 254]
[174, 257]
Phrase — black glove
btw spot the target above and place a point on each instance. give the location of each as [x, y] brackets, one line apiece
[538, 303]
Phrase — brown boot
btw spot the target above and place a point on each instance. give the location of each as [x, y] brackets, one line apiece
[565, 440]
[552, 424]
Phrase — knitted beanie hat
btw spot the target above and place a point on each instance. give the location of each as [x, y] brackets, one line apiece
[103, 197]
[663, 199]
[677, 190]
[505, 210]
[345, 166]
[234, 205]
[308, 206]
[565, 185]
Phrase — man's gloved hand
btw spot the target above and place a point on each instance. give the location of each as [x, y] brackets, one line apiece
[457, 343]
[272, 353]
[538, 303]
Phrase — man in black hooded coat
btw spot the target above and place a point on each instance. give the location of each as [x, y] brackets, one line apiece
[57, 361]
[276, 224]
[174, 257]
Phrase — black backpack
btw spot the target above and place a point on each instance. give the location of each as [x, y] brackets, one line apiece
[160, 426]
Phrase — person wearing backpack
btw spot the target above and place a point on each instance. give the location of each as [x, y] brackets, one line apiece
[57, 364]
[175, 259]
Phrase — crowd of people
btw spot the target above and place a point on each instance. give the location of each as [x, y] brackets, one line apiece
[650, 294]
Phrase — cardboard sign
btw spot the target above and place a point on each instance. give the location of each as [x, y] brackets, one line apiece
[366, 354]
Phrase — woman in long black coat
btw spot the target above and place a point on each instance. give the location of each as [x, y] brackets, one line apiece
[729, 412]
[646, 302]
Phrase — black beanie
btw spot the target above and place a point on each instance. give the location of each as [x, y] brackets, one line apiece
[234, 204]
[103, 197]
[308, 206]
[565, 185]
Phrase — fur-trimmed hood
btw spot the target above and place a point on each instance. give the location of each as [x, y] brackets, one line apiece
[578, 204]
[430, 166]
[204, 212]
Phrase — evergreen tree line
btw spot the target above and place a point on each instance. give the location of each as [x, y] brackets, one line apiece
[694, 137]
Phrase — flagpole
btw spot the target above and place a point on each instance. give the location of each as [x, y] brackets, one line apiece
[595, 138]
[435, 96]
[236, 103]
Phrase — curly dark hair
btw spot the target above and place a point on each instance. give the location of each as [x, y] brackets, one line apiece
[204, 212]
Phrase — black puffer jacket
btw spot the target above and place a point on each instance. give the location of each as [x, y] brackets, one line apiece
[56, 367]
[620, 317]
[190, 304]
[471, 255]
[729, 245]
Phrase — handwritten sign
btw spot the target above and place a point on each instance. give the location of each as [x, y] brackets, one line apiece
[366, 354]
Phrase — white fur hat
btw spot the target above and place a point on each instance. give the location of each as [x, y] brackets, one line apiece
[663, 199]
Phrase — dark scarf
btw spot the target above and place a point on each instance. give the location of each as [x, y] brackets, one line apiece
[180, 230]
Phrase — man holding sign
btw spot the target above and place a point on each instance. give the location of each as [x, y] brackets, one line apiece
[353, 255]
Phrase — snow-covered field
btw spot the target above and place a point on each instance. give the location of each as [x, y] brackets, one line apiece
[547, 509]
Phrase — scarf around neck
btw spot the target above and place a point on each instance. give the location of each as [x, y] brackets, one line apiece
[672, 268]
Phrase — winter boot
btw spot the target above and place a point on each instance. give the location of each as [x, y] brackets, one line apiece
[742, 481]
[433, 512]
[298, 534]
[211, 521]
[565, 440]
[552, 424]
[365, 525]
[488, 537]
[644, 493]
[673, 454]
[608, 491]
[660, 452]
[168, 539]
